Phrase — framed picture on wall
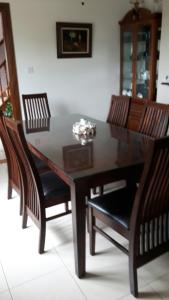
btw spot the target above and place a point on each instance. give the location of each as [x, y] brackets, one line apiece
[74, 40]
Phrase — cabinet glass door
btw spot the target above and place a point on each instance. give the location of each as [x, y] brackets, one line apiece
[143, 62]
[127, 73]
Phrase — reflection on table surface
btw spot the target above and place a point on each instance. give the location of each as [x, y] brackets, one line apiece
[78, 157]
[37, 125]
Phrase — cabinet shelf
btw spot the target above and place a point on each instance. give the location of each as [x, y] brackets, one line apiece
[127, 78]
[128, 61]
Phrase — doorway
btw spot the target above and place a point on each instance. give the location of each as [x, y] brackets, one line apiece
[9, 90]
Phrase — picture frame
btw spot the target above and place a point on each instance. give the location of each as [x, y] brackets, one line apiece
[78, 157]
[73, 40]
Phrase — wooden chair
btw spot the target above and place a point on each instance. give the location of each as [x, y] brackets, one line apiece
[36, 106]
[154, 121]
[141, 216]
[12, 165]
[39, 191]
[37, 112]
[119, 110]
[118, 114]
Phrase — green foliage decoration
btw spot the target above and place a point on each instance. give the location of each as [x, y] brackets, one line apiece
[8, 109]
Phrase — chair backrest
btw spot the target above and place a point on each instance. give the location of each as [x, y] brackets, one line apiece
[119, 110]
[154, 121]
[32, 187]
[150, 215]
[36, 106]
[12, 164]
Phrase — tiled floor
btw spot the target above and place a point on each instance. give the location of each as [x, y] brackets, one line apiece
[26, 275]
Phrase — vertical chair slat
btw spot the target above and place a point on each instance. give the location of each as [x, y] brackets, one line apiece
[155, 119]
[118, 111]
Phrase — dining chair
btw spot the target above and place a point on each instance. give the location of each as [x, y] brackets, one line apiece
[12, 165]
[36, 110]
[119, 110]
[14, 180]
[155, 119]
[37, 113]
[118, 115]
[36, 106]
[140, 215]
[40, 191]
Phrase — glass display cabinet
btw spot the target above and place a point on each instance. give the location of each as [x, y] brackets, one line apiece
[140, 45]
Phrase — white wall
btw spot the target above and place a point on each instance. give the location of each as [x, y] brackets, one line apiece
[163, 90]
[73, 85]
[80, 85]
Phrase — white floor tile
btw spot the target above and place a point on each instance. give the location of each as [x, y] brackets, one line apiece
[145, 293]
[161, 286]
[21, 262]
[3, 284]
[161, 264]
[52, 275]
[57, 285]
[19, 247]
[107, 278]
[107, 271]
[5, 296]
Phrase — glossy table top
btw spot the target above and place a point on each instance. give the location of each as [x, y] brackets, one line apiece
[111, 148]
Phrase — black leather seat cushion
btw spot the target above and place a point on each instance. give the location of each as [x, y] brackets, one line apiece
[40, 164]
[52, 185]
[117, 205]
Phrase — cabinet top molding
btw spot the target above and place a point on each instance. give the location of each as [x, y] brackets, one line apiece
[138, 15]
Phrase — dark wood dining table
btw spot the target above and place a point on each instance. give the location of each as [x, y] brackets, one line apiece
[114, 153]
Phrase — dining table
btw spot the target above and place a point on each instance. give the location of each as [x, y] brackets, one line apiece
[85, 162]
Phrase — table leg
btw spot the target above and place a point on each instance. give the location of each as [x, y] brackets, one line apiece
[79, 230]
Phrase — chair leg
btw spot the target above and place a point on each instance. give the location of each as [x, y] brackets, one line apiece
[21, 206]
[9, 191]
[133, 278]
[66, 207]
[42, 236]
[87, 218]
[92, 232]
[101, 190]
[22, 197]
[94, 191]
[24, 219]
